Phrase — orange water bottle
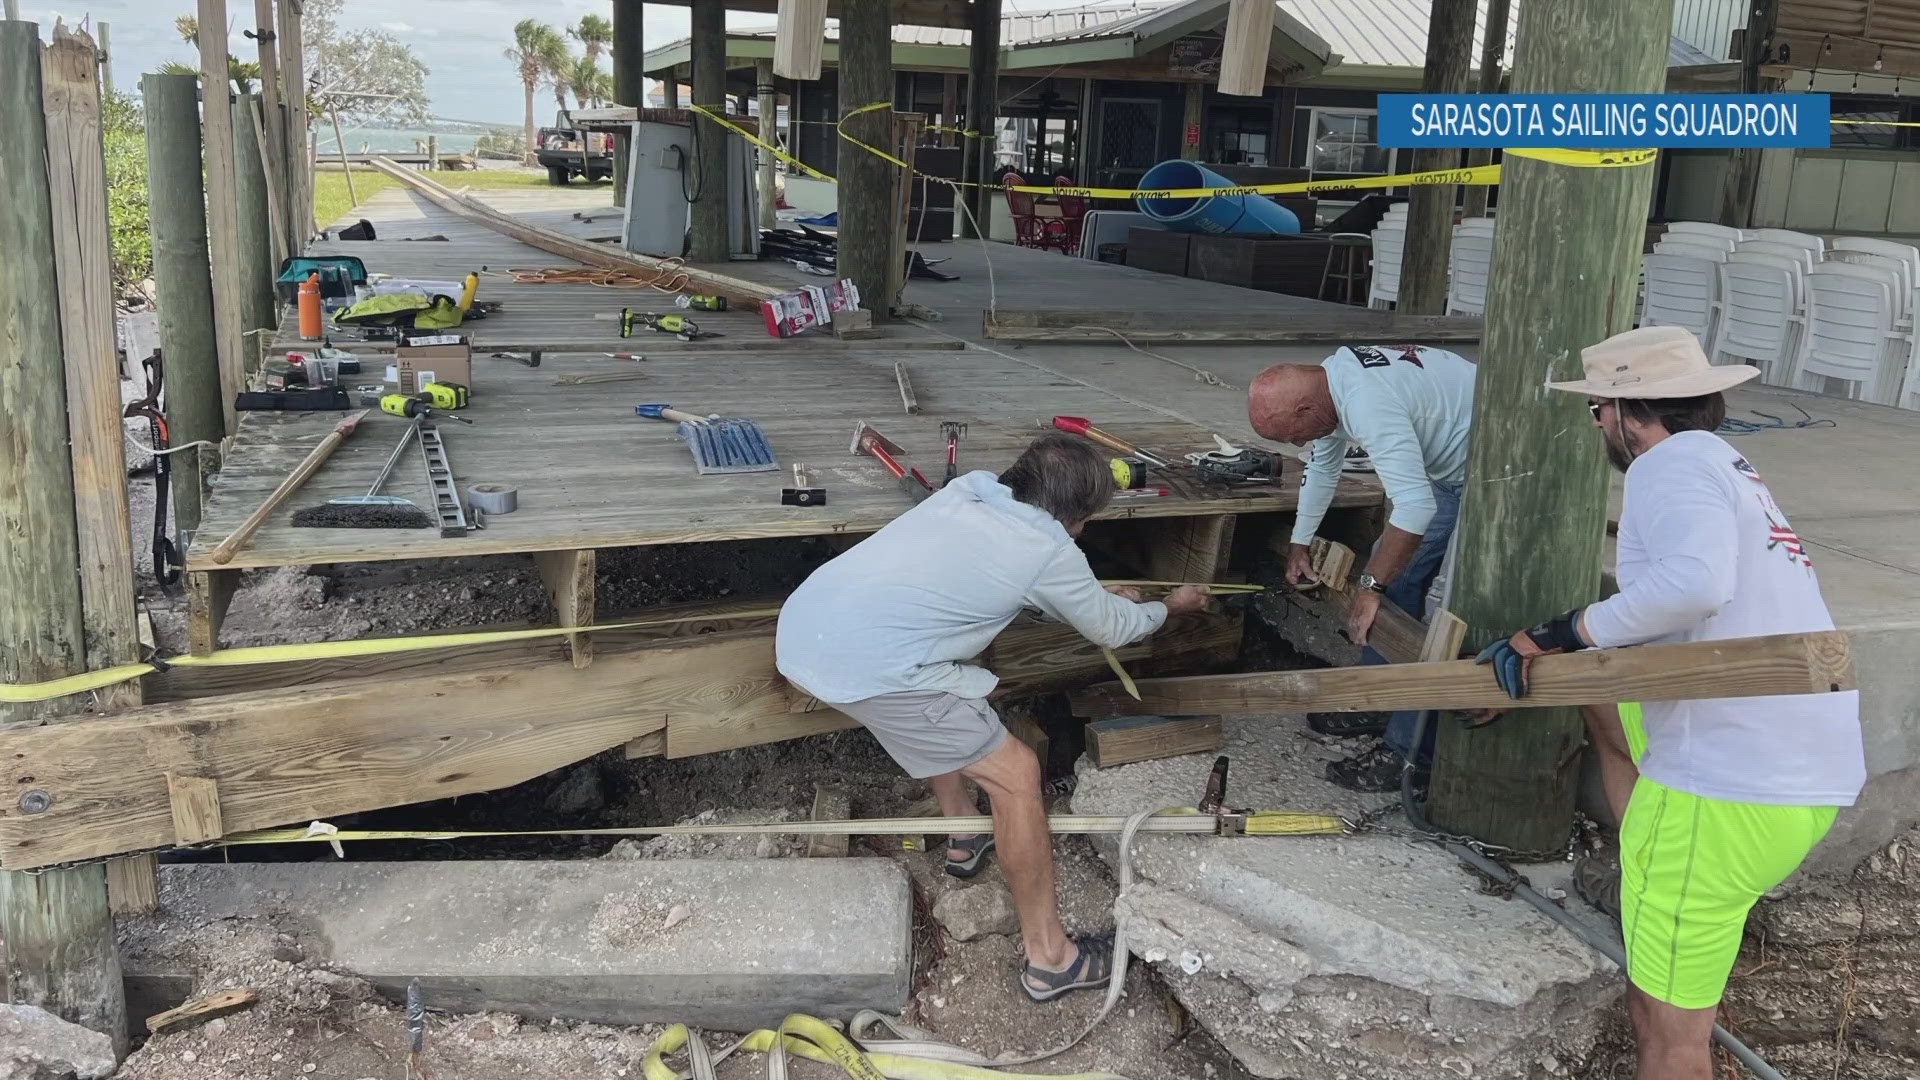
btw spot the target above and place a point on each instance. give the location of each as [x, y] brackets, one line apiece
[310, 308]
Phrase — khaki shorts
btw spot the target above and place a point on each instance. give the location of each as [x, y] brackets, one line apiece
[928, 732]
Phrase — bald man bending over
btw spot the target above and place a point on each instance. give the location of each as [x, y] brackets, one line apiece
[1409, 406]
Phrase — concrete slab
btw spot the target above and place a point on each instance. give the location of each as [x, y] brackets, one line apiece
[586, 940]
[1312, 956]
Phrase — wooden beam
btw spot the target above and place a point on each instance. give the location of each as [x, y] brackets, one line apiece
[739, 290]
[1193, 117]
[77, 180]
[1423, 273]
[983, 115]
[208, 594]
[293, 98]
[133, 885]
[1782, 664]
[763, 172]
[1248, 39]
[1742, 180]
[1565, 272]
[1124, 740]
[568, 576]
[707, 223]
[223, 207]
[908, 399]
[273, 131]
[195, 802]
[1189, 549]
[1493, 54]
[799, 37]
[629, 82]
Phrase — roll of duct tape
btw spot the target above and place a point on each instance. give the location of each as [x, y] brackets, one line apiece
[493, 498]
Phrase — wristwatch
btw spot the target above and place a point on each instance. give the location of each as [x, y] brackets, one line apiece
[1370, 583]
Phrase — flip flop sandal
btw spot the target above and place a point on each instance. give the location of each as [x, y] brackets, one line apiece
[976, 848]
[1092, 969]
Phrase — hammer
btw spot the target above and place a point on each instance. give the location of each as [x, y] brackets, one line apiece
[884, 450]
[953, 432]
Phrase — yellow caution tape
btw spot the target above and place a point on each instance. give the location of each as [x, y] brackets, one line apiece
[85, 682]
[806, 1037]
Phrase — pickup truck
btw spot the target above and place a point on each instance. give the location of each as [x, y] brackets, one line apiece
[559, 154]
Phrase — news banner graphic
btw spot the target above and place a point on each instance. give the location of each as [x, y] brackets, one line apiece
[1604, 121]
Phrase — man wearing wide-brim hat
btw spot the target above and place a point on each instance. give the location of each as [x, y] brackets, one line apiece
[1718, 800]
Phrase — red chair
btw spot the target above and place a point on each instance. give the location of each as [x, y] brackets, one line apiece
[1029, 229]
[1073, 215]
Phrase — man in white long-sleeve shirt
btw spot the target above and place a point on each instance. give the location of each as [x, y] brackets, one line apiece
[886, 632]
[1720, 799]
[1410, 407]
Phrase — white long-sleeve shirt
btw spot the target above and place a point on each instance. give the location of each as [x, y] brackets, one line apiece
[1705, 555]
[1410, 406]
[904, 609]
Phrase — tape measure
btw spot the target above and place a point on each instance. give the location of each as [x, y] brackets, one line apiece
[1129, 473]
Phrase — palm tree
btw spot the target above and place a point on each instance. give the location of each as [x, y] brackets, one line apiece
[556, 68]
[591, 86]
[533, 42]
[243, 73]
[594, 34]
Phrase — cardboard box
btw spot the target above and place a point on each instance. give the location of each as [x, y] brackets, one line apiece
[423, 358]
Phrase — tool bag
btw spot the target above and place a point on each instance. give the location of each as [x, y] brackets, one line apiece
[416, 310]
[338, 275]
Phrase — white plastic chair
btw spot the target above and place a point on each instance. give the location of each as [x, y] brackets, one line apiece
[1901, 271]
[1910, 385]
[1469, 264]
[1681, 290]
[1698, 247]
[1389, 245]
[1796, 239]
[1678, 229]
[1806, 257]
[1761, 314]
[1850, 333]
[1475, 225]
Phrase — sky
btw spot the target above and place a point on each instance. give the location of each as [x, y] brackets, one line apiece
[460, 41]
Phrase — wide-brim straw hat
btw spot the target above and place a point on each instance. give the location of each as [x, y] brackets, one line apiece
[1653, 362]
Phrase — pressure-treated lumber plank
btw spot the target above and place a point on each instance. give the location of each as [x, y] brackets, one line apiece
[77, 182]
[1445, 634]
[1244, 48]
[133, 885]
[208, 594]
[568, 576]
[1126, 739]
[739, 290]
[289, 756]
[223, 207]
[1189, 549]
[1780, 664]
[195, 802]
[800, 35]
[908, 400]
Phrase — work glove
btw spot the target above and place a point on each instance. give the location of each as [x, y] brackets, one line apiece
[1510, 657]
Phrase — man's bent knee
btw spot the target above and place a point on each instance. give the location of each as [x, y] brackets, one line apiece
[1012, 768]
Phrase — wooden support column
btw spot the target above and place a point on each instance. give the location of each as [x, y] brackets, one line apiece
[223, 208]
[1493, 51]
[60, 952]
[709, 220]
[209, 592]
[1565, 269]
[1249, 37]
[1743, 166]
[866, 180]
[293, 98]
[259, 307]
[1423, 270]
[949, 109]
[103, 37]
[765, 103]
[177, 218]
[1192, 117]
[983, 116]
[568, 576]
[629, 83]
[799, 37]
[272, 138]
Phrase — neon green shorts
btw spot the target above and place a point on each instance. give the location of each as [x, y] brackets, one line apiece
[1690, 869]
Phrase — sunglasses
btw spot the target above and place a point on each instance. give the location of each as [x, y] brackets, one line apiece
[1594, 407]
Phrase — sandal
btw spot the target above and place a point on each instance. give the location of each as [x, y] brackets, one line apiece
[1090, 970]
[976, 847]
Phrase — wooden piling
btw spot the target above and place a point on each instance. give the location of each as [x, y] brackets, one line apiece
[709, 220]
[983, 115]
[1493, 54]
[272, 138]
[629, 82]
[865, 251]
[223, 214]
[102, 38]
[293, 98]
[1423, 268]
[58, 933]
[1533, 520]
[259, 309]
[182, 274]
[764, 103]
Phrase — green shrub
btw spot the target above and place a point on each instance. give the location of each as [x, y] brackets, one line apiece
[124, 133]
